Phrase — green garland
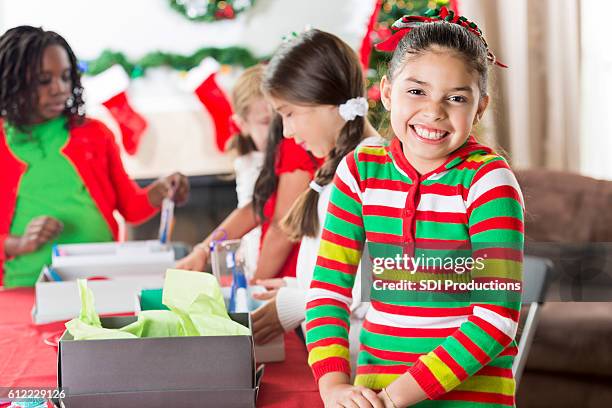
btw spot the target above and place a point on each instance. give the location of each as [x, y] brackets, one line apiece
[210, 10]
[237, 56]
[391, 10]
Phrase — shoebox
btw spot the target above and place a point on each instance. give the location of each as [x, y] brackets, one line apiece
[197, 371]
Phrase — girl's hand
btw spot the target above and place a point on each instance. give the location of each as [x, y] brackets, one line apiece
[269, 284]
[196, 260]
[174, 186]
[272, 285]
[267, 295]
[351, 396]
[266, 324]
[179, 185]
[38, 232]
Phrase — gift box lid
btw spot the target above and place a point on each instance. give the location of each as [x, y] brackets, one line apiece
[111, 259]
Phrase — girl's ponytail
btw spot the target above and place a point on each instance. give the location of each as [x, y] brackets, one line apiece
[303, 218]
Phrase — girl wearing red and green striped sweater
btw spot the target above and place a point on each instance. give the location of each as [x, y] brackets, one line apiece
[433, 187]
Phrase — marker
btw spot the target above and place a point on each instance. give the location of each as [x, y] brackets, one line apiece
[238, 299]
[52, 275]
[167, 220]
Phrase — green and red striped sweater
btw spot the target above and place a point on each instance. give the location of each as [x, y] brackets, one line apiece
[460, 352]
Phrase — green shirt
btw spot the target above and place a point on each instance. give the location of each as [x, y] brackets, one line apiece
[50, 186]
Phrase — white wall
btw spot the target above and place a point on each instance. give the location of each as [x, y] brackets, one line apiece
[178, 123]
[138, 26]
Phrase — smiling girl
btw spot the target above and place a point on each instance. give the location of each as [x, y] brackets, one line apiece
[433, 187]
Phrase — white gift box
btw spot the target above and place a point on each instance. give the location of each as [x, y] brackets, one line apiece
[122, 270]
[57, 301]
[111, 259]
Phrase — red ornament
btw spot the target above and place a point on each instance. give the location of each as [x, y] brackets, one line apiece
[228, 12]
[374, 92]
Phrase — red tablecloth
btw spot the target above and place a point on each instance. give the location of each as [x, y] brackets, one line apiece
[26, 361]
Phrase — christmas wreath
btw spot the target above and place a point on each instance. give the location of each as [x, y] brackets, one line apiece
[210, 10]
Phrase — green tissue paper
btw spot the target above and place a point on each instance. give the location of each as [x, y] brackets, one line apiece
[196, 309]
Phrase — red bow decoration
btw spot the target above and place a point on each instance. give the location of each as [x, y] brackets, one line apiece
[405, 24]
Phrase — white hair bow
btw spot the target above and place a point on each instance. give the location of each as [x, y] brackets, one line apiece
[354, 107]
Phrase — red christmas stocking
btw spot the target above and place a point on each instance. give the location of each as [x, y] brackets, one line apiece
[202, 81]
[109, 89]
[132, 125]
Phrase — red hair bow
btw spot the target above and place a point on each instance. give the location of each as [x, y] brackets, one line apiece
[405, 24]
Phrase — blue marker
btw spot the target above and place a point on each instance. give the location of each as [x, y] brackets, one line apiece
[167, 217]
[239, 299]
[52, 275]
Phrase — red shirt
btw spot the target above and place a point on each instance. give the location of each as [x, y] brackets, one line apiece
[289, 158]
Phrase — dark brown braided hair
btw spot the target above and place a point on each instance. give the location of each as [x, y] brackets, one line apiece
[267, 181]
[21, 52]
[317, 68]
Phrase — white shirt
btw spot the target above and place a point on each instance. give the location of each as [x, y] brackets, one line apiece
[291, 299]
[247, 170]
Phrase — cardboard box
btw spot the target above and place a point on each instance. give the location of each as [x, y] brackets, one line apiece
[271, 352]
[111, 259]
[202, 371]
[56, 301]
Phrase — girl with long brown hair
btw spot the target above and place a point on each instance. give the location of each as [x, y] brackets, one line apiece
[316, 84]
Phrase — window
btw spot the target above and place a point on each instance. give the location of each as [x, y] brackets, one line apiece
[596, 91]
